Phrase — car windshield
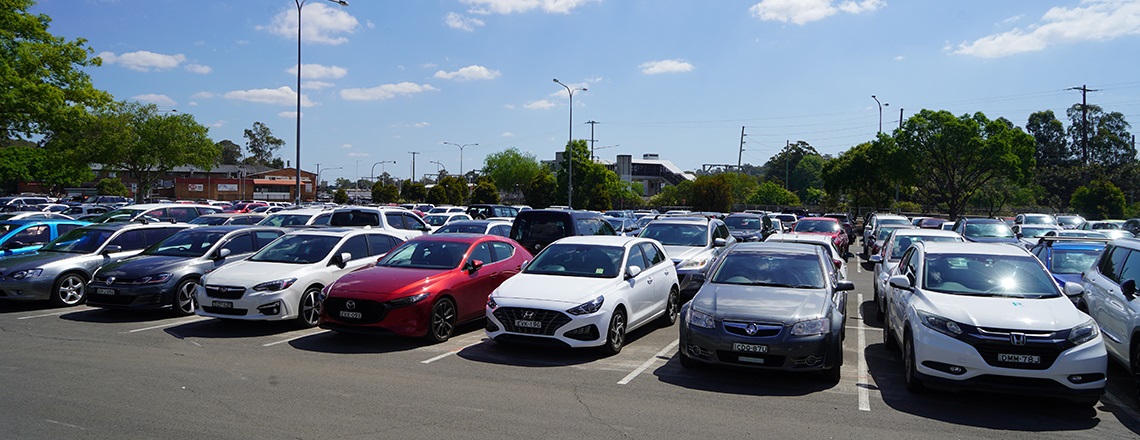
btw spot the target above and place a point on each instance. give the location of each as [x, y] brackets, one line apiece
[670, 234]
[816, 226]
[1105, 225]
[743, 222]
[431, 254]
[894, 221]
[1040, 220]
[1070, 220]
[800, 271]
[189, 243]
[208, 220]
[436, 220]
[988, 230]
[459, 228]
[988, 275]
[1034, 232]
[885, 231]
[641, 222]
[1073, 261]
[285, 220]
[79, 241]
[118, 215]
[619, 224]
[902, 243]
[297, 249]
[578, 260]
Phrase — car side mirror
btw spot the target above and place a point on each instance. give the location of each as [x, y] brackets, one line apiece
[875, 259]
[112, 248]
[719, 242]
[473, 266]
[632, 271]
[1074, 289]
[1128, 289]
[843, 286]
[223, 253]
[901, 282]
[340, 259]
[14, 244]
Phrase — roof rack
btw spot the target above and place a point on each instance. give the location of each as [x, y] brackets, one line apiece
[1056, 238]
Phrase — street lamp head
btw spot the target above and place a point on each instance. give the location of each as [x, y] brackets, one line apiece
[340, 2]
[557, 81]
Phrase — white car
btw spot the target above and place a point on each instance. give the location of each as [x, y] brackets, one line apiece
[297, 217]
[988, 316]
[896, 244]
[394, 220]
[435, 221]
[837, 258]
[283, 280]
[586, 291]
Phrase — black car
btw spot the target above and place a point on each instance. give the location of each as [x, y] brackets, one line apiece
[165, 275]
[537, 228]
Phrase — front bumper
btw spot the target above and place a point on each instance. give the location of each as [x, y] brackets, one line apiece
[142, 297]
[28, 289]
[784, 351]
[251, 305]
[557, 327]
[375, 318]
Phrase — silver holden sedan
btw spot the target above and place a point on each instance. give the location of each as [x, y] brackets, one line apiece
[768, 305]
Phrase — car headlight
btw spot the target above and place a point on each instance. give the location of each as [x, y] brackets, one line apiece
[409, 299]
[588, 307]
[701, 319]
[1084, 333]
[491, 304]
[275, 285]
[695, 263]
[26, 273]
[154, 279]
[940, 324]
[812, 327]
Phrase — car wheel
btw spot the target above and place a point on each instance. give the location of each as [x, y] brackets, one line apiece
[686, 361]
[878, 303]
[309, 311]
[443, 317]
[913, 383]
[70, 289]
[672, 307]
[889, 341]
[615, 335]
[184, 297]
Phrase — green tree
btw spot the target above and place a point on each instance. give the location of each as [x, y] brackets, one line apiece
[343, 183]
[137, 140]
[712, 193]
[485, 192]
[674, 195]
[340, 197]
[230, 153]
[949, 158]
[412, 191]
[539, 193]
[111, 187]
[625, 195]
[1057, 171]
[1098, 200]
[262, 146]
[779, 167]
[867, 173]
[437, 195]
[456, 189]
[385, 193]
[771, 193]
[807, 175]
[577, 154]
[511, 167]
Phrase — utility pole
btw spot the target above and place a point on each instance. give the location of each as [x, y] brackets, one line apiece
[787, 163]
[413, 153]
[900, 118]
[592, 124]
[740, 154]
[1084, 120]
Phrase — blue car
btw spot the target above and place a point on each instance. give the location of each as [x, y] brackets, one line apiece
[24, 236]
[1066, 258]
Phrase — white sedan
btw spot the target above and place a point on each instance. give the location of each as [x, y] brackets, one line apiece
[586, 291]
[284, 279]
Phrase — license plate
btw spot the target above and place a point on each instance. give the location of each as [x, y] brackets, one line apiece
[1019, 358]
[749, 348]
[528, 324]
[352, 315]
[104, 291]
[749, 359]
[223, 304]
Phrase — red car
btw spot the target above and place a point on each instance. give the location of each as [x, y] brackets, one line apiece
[826, 226]
[423, 288]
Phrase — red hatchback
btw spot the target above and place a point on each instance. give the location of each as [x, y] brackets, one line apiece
[423, 288]
[823, 225]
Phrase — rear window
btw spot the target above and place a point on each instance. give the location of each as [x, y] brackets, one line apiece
[543, 227]
[355, 218]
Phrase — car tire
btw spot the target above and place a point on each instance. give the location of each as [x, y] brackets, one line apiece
[889, 340]
[70, 289]
[309, 308]
[615, 334]
[910, 368]
[672, 308]
[184, 293]
[442, 322]
[879, 301]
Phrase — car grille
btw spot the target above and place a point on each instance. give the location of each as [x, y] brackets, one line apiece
[225, 292]
[551, 320]
[370, 311]
[992, 342]
[224, 311]
[759, 330]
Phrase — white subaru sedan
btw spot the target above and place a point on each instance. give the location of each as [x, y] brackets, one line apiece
[586, 291]
[284, 279]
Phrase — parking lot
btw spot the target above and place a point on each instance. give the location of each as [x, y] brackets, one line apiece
[83, 372]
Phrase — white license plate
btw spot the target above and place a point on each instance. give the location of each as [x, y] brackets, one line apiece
[223, 304]
[528, 324]
[1019, 358]
[104, 291]
[749, 348]
[353, 315]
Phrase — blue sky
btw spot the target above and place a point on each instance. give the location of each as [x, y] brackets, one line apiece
[678, 78]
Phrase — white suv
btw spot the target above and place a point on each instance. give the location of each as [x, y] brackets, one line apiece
[395, 220]
[1110, 297]
[989, 317]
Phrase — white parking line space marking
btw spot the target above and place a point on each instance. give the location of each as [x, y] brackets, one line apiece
[861, 386]
[629, 377]
[169, 324]
[294, 338]
[451, 352]
[54, 313]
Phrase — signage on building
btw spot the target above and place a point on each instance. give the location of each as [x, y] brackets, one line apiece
[227, 187]
[197, 187]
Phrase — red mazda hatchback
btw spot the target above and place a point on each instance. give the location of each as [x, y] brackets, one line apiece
[424, 287]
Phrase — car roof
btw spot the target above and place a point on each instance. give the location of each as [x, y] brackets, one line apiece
[890, 216]
[458, 236]
[478, 222]
[973, 248]
[149, 206]
[230, 228]
[912, 232]
[982, 220]
[572, 214]
[601, 240]
[688, 220]
[25, 221]
[826, 219]
[799, 237]
[783, 247]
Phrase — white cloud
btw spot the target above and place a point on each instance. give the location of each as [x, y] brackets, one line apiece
[542, 104]
[156, 99]
[143, 61]
[318, 71]
[805, 11]
[462, 22]
[316, 85]
[218, 124]
[199, 68]
[509, 106]
[421, 125]
[1094, 20]
[281, 96]
[385, 91]
[357, 154]
[665, 66]
[900, 58]
[1012, 19]
[289, 115]
[192, 103]
[322, 24]
[468, 73]
[425, 66]
[485, 7]
[203, 95]
[507, 134]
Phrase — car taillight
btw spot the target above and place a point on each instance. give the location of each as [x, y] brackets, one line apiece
[838, 262]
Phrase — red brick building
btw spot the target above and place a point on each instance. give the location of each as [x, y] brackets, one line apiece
[223, 182]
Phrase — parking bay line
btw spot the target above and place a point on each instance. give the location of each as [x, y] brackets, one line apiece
[294, 338]
[169, 324]
[629, 377]
[50, 314]
[464, 343]
[864, 397]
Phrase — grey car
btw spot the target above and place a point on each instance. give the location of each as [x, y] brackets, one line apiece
[776, 306]
[165, 275]
[59, 271]
[692, 242]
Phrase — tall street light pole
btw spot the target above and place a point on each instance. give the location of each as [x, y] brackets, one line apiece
[570, 145]
[880, 113]
[300, 4]
[461, 147]
[381, 163]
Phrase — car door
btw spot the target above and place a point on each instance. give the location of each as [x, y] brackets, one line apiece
[478, 284]
[643, 289]
[357, 246]
[661, 269]
[1115, 312]
[899, 299]
[1101, 286]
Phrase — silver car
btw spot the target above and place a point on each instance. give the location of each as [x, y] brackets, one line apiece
[692, 242]
[60, 270]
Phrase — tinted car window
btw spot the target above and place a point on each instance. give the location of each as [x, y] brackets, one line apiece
[380, 243]
[240, 244]
[501, 230]
[155, 235]
[637, 258]
[652, 254]
[130, 240]
[394, 220]
[322, 219]
[262, 238]
[482, 252]
[64, 228]
[540, 228]
[1112, 265]
[182, 214]
[357, 246]
[502, 250]
[355, 218]
[1131, 270]
[33, 235]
